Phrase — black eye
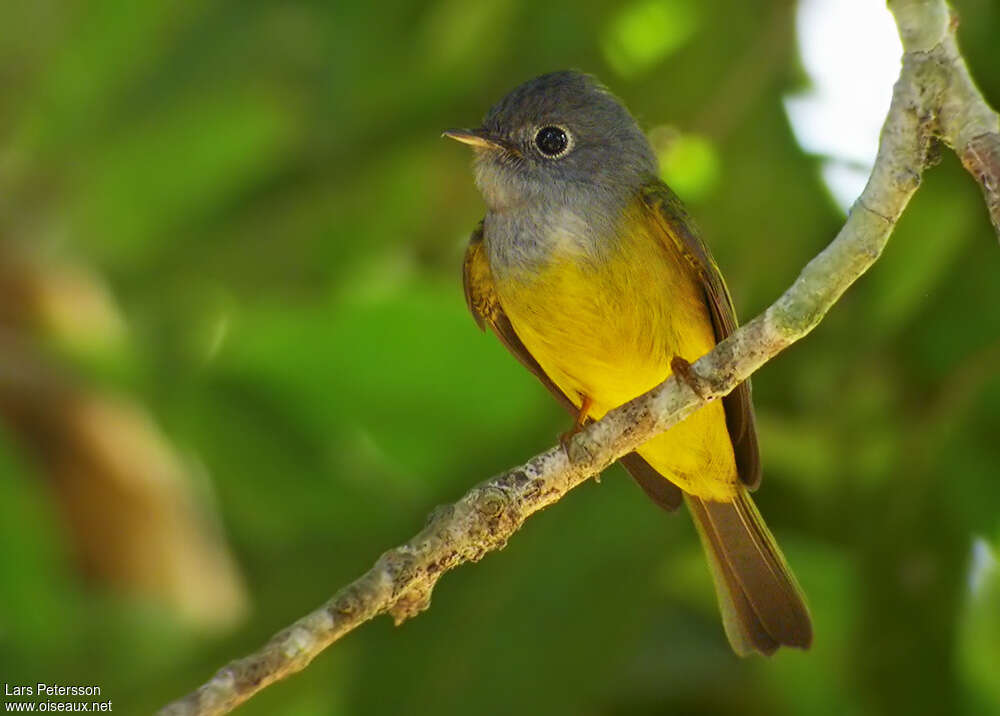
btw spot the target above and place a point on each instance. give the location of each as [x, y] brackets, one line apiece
[552, 141]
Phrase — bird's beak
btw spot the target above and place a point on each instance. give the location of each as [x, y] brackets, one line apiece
[478, 138]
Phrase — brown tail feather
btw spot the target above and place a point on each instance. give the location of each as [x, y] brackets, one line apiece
[761, 603]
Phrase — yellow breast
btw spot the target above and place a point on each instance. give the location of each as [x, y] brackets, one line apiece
[607, 326]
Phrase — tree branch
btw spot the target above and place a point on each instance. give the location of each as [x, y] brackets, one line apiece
[966, 122]
[934, 97]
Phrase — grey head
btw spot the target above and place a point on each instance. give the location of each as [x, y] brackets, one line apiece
[559, 133]
[558, 150]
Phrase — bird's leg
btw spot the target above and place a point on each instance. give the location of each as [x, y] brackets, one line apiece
[581, 417]
[577, 450]
[683, 370]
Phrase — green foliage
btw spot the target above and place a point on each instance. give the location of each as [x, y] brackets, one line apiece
[645, 32]
[979, 638]
[262, 185]
[689, 164]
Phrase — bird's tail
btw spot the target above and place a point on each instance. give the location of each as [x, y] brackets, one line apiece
[762, 605]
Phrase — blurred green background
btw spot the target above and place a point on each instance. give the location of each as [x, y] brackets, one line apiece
[236, 366]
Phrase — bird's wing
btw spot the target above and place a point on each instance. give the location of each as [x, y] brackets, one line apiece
[481, 297]
[678, 226]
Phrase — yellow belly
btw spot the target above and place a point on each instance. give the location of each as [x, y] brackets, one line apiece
[608, 329]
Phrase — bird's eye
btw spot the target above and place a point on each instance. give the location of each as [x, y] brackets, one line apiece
[552, 141]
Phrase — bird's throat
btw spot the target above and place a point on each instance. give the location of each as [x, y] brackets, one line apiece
[521, 241]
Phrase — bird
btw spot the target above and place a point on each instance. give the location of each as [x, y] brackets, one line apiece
[590, 271]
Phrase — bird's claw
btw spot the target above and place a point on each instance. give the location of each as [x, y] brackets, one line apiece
[683, 370]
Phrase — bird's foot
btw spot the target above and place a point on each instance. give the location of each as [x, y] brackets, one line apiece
[581, 419]
[683, 370]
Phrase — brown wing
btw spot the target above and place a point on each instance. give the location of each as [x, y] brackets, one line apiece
[486, 310]
[738, 406]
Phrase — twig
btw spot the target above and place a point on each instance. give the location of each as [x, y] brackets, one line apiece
[934, 97]
[966, 122]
